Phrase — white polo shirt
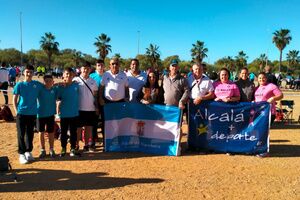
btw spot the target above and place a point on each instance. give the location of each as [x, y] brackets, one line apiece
[86, 98]
[114, 85]
[3, 75]
[200, 87]
[135, 84]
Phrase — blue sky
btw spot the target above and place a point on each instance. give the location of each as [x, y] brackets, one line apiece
[225, 26]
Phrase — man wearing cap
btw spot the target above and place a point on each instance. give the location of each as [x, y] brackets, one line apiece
[175, 87]
[136, 80]
[87, 105]
[176, 91]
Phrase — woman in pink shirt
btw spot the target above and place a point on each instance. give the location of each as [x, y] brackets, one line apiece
[267, 92]
[225, 90]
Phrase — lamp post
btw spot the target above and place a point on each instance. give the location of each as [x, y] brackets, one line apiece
[21, 63]
[138, 51]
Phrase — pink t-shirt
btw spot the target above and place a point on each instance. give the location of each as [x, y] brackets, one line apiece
[226, 90]
[264, 92]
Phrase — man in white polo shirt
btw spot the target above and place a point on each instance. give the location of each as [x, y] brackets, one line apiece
[4, 81]
[200, 86]
[88, 91]
[114, 83]
[136, 81]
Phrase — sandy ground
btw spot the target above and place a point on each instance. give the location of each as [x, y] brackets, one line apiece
[139, 176]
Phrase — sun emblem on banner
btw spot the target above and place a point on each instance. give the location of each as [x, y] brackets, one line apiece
[202, 129]
[140, 125]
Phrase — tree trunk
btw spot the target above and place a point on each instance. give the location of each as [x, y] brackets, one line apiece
[280, 59]
[49, 62]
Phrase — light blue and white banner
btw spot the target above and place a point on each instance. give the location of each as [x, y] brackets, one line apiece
[230, 127]
[133, 127]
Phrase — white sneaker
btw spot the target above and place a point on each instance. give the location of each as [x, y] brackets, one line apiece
[29, 156]
[22, 159]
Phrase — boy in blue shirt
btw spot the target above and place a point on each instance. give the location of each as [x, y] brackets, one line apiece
[97, 76]
[68, 111]
[46, 112]
[25, 95]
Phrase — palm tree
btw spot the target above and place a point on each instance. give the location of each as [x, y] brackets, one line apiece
[241, 60]
[50, 46]
[153, 54]
[281, 38]
[198, 51]
[102, 45]
[117, 55]
[262, 59]
[293, 58]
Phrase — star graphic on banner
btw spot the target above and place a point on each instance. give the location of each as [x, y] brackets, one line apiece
[202, 129]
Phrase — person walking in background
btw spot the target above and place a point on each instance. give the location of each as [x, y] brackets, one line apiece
[25, 95]
[4, 75]
[226, 90]
[245, 86]
[136, 80]
[271, 78]
[12, 73]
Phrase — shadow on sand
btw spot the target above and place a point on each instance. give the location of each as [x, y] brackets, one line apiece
[279, 150]
[279, 125]
[30, 180]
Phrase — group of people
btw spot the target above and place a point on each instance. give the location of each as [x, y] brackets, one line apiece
[79, 100]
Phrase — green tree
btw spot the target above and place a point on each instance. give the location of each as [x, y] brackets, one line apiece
[240, 60]
[103, 46]
[262, 60]
[50, 46]
[144, 61]
[293, 59]
[153, 54]
[10, 56]
[77, 57]
[281, 38]
[227, 62]
[198, 51]
[37, 57]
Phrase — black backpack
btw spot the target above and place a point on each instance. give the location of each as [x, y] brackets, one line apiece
[4, 164]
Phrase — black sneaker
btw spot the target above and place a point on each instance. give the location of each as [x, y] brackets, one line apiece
[73, 153]
[85, 149]
[92, 149]
[52, 153]
[63, 152]
[42, 154]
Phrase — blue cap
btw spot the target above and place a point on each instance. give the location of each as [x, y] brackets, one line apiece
[173, 62]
